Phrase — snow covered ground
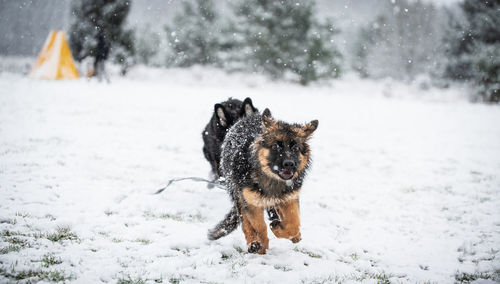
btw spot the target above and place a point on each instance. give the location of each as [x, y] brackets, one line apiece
[401, 189]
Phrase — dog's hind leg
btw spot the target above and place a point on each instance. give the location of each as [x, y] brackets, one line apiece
[214, 174]
[227, 225]
[216, 170]
[289, 226]
[255, 229]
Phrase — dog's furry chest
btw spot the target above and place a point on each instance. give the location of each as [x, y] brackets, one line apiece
[258, 199]
[268, 192]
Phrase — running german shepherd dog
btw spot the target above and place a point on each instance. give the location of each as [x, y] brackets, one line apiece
[264, 162]
[225, 115]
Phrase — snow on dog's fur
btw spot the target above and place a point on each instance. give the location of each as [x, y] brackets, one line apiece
[264, 162]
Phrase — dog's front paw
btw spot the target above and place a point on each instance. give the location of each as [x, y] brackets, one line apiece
[275, 224]
[296, 239]
[272, 214]
[277, 229]
[254, 247]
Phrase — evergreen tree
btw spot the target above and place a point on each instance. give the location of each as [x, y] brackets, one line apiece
[147, 45]
[193, 35]
[361, 48]
[473, 47]
[282, 37]
[123, 51]
[401, 42]
[97, 31]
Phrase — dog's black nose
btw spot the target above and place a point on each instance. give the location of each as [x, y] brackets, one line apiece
[288, 164]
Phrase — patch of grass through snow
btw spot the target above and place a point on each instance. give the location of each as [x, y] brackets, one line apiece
[22, 215]
[139, 280]
[307, 252]
[329, 279]
[470, 277]
[62, 233]
[129, 280]
[143, 241]
[15, 243]
[282, 268]
[184, 251]
[10, 248]
[104, 234]
[49, 260]
[35, 275]
[381, 278]
[239, 250]
[109, 213]
[8, 221]
[354, 256]
[7, 233]
[50, 217]
[116, 240]
[179, 217]
[17, 240]
[225, 256]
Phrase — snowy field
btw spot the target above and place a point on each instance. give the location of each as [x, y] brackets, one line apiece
[401, 189]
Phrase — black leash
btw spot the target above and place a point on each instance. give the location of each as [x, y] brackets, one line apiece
[271, 212]
[215, 183]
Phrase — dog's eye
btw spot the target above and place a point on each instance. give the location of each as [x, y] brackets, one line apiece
[277, 145]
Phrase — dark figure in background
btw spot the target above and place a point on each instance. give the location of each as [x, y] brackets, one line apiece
[98, 32]
[225, 115]
[102, 53]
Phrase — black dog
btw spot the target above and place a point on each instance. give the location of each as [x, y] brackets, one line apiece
[226, 114]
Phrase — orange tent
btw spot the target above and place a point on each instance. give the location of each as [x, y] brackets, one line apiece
[55, 60]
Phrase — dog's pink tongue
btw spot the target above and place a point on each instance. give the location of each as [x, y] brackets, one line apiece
[286, 174]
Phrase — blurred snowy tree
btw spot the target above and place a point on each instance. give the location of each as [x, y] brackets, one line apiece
[123, 50]
[283, 38]
[147, 45]
[473, 47]
[401, 43]
[362, 46]
[193, 35]
[97, 31]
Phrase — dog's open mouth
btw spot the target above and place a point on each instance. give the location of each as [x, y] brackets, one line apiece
[286, 174]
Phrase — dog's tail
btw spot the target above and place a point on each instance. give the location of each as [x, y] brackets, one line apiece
[227, 225]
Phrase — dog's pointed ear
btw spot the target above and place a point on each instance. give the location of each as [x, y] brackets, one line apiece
[267, 119]
[310, 127]
[220, 113]
[247, 108]
[266, 113]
